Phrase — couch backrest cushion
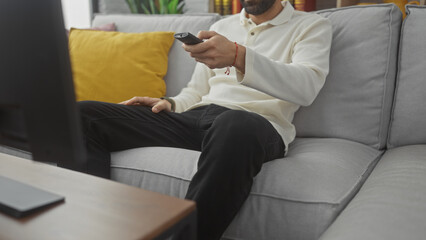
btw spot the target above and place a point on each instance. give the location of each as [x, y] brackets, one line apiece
[120, 6]
[181, 65]
[409, 114]
[355, 102]
[112, 6]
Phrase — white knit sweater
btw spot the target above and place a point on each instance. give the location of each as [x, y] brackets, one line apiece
[287, 61]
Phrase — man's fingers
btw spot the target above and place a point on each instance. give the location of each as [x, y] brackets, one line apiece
[129, 101]
[146, 101]
[162, 105]
[133, 101]
[206, 34]
[197, 48]
[201, 47]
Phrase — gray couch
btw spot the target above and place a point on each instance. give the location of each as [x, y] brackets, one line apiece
[357, 169]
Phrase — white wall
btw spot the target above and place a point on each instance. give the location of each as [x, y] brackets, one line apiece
[197, 6]
[77, 13]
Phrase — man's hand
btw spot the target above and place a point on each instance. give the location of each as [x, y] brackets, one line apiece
[217, 51]
[157, 104]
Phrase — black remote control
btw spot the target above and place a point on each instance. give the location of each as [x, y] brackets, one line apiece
[188, 38]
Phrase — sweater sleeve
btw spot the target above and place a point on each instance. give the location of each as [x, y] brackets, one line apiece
[197, 87]
[299, 81]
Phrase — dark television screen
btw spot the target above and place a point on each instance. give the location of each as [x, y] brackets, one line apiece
[38, 112]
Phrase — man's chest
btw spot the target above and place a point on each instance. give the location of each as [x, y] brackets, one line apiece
[274, 42]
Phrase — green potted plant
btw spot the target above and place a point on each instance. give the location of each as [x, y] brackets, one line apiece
[156, 6]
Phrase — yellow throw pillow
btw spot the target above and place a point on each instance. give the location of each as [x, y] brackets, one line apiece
[116, 66]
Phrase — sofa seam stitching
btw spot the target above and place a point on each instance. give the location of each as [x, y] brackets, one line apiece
[256, 194]
[359, 184]
[397, 80]
[144, 170]
[386, 75]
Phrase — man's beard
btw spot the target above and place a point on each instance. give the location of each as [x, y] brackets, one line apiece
[257, 7]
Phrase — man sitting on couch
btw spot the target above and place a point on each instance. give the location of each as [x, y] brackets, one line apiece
[237, 109]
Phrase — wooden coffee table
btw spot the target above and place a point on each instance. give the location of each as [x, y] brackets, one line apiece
[94, 208]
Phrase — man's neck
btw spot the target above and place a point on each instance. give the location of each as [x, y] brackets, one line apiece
[268, 15]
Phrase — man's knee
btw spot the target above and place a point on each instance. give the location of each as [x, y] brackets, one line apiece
[240, 124]
[93, 110]
[87, 107]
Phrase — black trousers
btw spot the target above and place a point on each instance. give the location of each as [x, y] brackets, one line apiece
[234, 144]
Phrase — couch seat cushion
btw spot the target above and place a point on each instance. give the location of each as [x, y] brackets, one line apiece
[158, 169]
[391, 204]
[303, 192]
